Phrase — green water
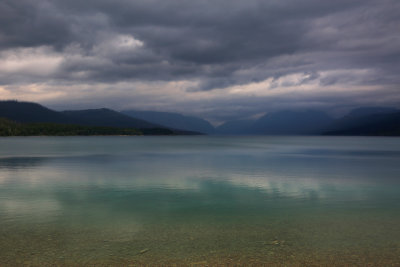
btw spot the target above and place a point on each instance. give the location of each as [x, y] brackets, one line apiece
[295, 201]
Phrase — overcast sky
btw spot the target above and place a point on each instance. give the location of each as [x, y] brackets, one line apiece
[220, 59]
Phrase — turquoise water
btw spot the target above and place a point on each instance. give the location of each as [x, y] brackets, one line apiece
[199, 201]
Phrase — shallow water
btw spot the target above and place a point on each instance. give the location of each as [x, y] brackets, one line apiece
[200, 201]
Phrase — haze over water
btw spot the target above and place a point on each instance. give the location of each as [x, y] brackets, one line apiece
[199, 200]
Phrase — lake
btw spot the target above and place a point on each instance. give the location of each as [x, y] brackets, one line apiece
[200, 200]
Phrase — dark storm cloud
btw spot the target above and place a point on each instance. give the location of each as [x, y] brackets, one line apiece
[218, 43]
[27, 23]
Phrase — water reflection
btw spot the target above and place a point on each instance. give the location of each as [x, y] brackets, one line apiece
[16, 163]
[150, 185]
[191, 198]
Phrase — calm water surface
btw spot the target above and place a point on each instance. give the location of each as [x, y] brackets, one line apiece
[199, 201]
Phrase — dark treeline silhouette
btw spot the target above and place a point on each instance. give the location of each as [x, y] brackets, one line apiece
[11, 128]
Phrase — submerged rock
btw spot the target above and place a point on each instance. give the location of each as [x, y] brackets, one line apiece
[144, 251]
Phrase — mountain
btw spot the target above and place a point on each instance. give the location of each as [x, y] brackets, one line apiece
[32, 118]
[28, 112]
[385, 123]
[365, 111]
[360, 121]
[292, 123]
[376, 125]
[31, 112]
[360, 117]
[235, 127]
[286, 122]
[107, 117]
[173, 120]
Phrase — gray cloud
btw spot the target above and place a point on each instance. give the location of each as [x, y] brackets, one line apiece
[213, 44]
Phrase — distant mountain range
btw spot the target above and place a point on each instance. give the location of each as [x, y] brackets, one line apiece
[173, 120]
[303, 122]
[236, 127]
[279, 123]
[385, 122]
[292, 123]
[360, 121]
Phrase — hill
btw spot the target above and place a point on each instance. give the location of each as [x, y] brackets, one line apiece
[30, 117]
[236, 127]
[359, 117]
[31, 112]
[288, 122]
[383, 124]
[365, 111]
[107, 117]
[27, 112]
[306, 122]
[173, 120]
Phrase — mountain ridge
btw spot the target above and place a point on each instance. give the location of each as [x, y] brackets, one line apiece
[173, 120]
[359, 121]
[34, 113]
[107, 117]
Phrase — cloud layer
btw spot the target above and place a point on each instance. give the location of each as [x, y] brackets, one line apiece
[214, 58]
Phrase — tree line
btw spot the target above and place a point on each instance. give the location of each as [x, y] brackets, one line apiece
[11, 128]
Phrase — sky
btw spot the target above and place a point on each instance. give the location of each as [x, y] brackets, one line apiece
[217, 59]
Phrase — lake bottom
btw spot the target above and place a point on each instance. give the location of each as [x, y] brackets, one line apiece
[295, 238]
